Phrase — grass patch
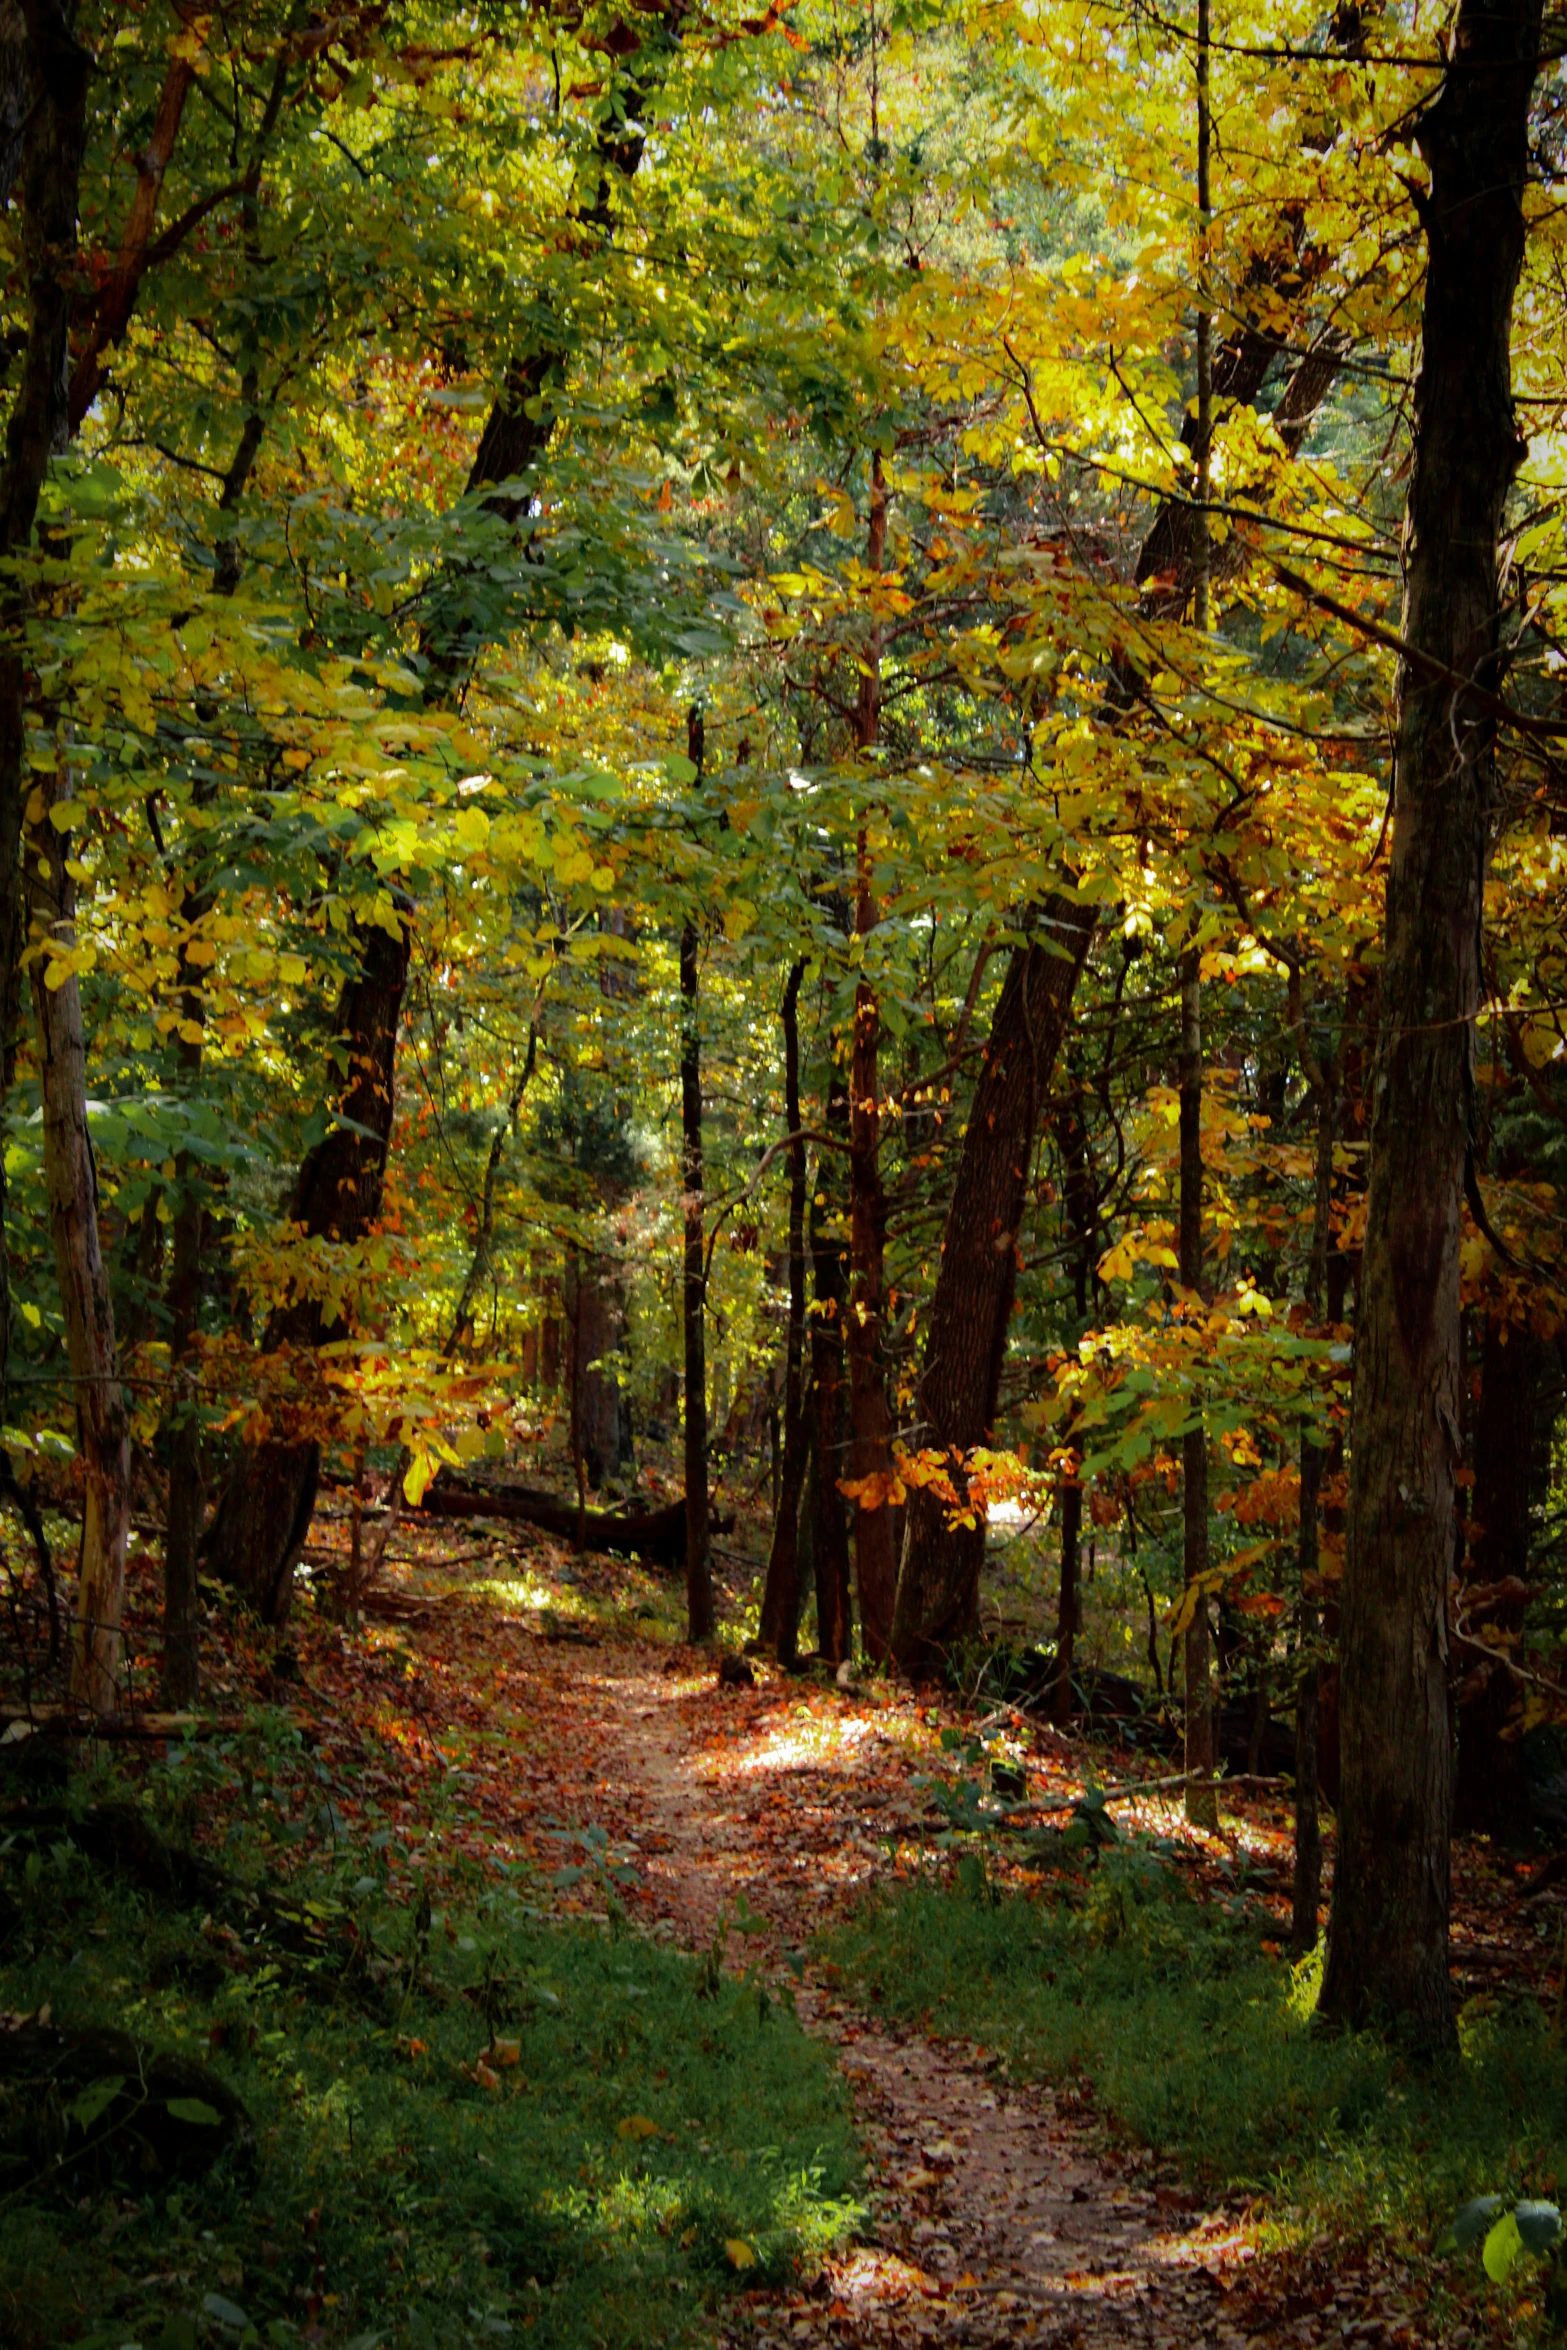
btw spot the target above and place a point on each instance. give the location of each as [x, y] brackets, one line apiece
[645, 2138]
[1199, 2043]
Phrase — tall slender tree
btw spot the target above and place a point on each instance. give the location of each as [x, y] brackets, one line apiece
[1387, 1945]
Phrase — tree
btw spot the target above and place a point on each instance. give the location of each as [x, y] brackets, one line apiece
[1387, 1943]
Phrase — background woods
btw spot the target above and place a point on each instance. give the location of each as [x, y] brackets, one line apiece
[784, 792]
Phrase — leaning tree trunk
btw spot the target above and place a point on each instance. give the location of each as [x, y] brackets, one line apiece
[102, 1421]
[263, 1513]
[1387, 1947]
[781, 1592]
[938, 1582]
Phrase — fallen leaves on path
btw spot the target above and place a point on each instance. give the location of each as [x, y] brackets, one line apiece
[504, 1706]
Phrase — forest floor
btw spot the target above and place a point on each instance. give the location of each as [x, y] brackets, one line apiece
[543, 1709]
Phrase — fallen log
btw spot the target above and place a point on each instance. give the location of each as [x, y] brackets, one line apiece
[657, 1535]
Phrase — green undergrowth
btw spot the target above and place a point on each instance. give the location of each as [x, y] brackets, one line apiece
[640, 2136]
[1196, 2041]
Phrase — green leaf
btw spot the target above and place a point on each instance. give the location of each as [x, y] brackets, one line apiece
[1469, 2225]
[1539, 2225]
[179, 2333]
[1502, 2247]
[95, 2101]
[194, 2109]
[227, 2313]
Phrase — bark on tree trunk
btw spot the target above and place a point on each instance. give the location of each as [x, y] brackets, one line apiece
[1506, 1450]
[870, 1422]
[1066, 1616]
[1202, 1807]
[699, 1564]
[700, 1618]
[181, 1675]
[1307, 1894]
[1082, 1210]
[829, 1529]
[1387, 1949]
[938, 1581]
[43, 121]
[263, 1514]
[870, 1449]
[103, 1423]
[781, 1592]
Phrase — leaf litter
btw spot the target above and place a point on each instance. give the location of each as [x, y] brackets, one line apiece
[509, 1704]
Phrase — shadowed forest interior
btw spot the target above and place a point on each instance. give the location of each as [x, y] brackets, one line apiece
[783, 1333]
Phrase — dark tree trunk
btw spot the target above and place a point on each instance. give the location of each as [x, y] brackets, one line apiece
[263, 1513]
[829, 1527]
[1066, 1614]
[699, 1564]
[938, 1581]
[181, 1676]
[700, 1617]
[1202, 1807]
[43, 136]
[781, 1592]
[1506, 1451]
[1307, 1892]
[1082, 1214]
[1387, 1951]
[102, 1419]
[870, 1449]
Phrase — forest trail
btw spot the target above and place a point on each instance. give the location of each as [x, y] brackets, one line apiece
[994, 2215]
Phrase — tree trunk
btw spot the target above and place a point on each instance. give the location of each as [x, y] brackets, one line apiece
[43, 119]
[870, 1448]
[263, 1513]
[700, 1617]
[1307, 1894]
[1507, 1451]
[1066, 1616]
[1081, 1200]
[1202, 1807]
[781, 1592]
[103, 1423]
[829, 1528]
[181, 1676]
[938, 1581]
[1387, 1953]
[870, 1422]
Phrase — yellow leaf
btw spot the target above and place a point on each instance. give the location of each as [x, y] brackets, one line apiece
[637, 2125]
[742, 814]
[65, 813]
[738, 2252]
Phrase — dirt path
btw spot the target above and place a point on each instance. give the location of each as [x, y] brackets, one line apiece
[994, 2217]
